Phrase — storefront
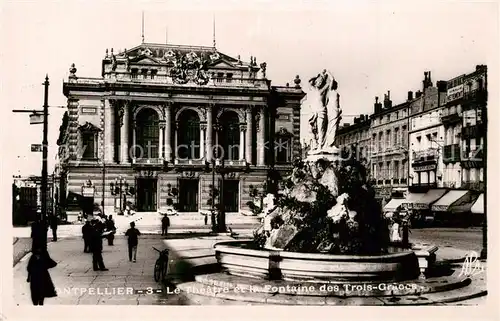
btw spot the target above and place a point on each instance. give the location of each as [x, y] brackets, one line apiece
[393, 206]
[420, 207]
[454, 207]
[477, 209]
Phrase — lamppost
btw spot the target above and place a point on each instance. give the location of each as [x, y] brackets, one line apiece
[40, 230]
[121, 187]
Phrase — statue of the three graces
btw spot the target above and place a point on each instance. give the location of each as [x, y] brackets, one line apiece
[323, 101]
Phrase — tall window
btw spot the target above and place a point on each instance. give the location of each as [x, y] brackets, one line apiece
[229, 138]
[396, 170]
[188, 135]
[229, 77]
[148, 134]
[404, 136]
[144, 73]
[380, 141]
[89, 135]
[283, 147]
[388, 139]
[89, 145]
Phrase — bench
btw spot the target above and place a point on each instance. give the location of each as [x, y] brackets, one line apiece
[426, 255]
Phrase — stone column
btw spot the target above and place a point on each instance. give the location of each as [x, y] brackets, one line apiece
[243, 130]
[124, 134]
[260, 138]
[248, 136]
[134, 139]
[168, 131]
[174, 154]
[203, 129]
[160, 141]
[208, 141]
[109, 141]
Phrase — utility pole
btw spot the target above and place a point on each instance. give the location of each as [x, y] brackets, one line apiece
[45, 152]
[484, 118]
[40, 230]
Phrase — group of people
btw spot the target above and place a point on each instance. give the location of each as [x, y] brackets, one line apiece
[95, 230]
[93, 233]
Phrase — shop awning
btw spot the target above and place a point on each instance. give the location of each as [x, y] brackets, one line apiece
[464, 204]
[428, 198]
[411, 198]
[478, 207]
[443, 204]
[394, 204]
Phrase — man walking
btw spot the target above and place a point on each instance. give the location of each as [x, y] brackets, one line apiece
[96, 247]
[133, 241]
[53, 227]
[110, 227]
[165, 223]
[86, 235]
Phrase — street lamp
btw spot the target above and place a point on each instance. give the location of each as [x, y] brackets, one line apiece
[121, 187]
[39, 231]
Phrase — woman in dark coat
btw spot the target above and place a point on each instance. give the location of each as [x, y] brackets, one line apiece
[41, 285]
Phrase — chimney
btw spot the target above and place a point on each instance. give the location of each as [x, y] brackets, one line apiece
[427, 82]
[387, 100]
[418, 94]
[441, 85]
[410, 95]
[376, 106]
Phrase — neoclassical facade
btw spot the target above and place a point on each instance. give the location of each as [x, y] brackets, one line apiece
[163, 116]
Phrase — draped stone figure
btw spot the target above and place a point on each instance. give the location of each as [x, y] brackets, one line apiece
[324, 104]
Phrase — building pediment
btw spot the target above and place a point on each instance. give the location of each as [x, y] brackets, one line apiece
[89, 127]
[223, 64]
[144, 60]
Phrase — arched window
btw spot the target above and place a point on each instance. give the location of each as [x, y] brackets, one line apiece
[229, 137]
[148, 134]
[188, 135]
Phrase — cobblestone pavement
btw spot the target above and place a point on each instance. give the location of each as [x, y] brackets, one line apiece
[78, 284]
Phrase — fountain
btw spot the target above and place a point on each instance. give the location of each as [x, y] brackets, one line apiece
[323, 238]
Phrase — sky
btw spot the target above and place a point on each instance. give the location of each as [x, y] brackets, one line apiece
[370, 47]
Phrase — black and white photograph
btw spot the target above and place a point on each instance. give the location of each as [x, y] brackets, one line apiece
[248, 153]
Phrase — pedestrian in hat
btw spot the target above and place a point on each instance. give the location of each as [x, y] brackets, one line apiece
[41, 285]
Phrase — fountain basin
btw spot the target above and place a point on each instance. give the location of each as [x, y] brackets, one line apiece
[239, 258]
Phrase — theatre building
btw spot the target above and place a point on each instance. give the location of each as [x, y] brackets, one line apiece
[164, 117]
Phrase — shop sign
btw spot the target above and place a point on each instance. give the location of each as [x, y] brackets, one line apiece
[424, 168]
[420, 206]
[439, 208]
[455, 90]
[88, 191]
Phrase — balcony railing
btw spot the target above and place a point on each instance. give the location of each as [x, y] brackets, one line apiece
[388, 182]
[430, 154]
[473, 155]
[164, 79]
[451, 119]
[147, 161]
[473, 131]
[182, 161]
[403, 181]
[478, 95]
[473, 185]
